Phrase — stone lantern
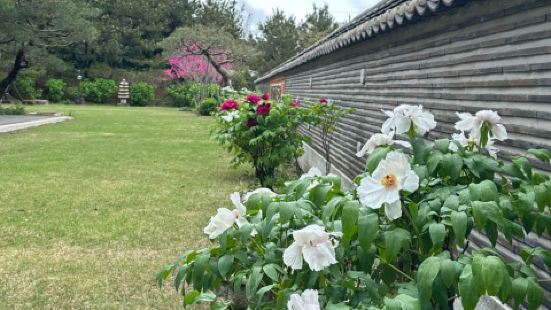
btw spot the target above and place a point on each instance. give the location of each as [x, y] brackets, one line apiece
[124, 92]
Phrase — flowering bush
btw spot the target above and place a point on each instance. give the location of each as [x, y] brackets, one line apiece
[261, 131]
[396, 240]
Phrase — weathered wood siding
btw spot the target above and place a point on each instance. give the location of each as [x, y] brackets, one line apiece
[487, 54]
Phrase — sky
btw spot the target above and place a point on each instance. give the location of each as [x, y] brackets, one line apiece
[342, 10]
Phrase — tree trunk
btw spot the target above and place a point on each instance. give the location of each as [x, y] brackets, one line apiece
[225, 75]
[18, 64]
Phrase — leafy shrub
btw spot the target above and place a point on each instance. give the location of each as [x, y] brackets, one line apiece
[181, 94]
[72, 93]
[99, 90]
[26, 86]
[55, 89]
[207, 106]
[262, 132]
[13, 110]
[141, 94]
[396, 240]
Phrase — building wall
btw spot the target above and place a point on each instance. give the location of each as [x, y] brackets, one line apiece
[486, 54]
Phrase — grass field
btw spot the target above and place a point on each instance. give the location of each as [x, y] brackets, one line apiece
[91, 209]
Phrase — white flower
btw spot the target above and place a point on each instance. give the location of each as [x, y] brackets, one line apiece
[262, 191]
[380, 139]
[383, 187]
[473, 124]
[228, 89]
[230, 116]
[312, 173]
[461, 138]
[225, 218]
[311, 243]
[307, 301]
[464, 141]
[403, 116]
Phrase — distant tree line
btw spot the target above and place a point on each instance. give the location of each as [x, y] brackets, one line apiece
[55, 38]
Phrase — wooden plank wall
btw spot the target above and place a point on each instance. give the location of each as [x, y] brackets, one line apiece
[487, 54]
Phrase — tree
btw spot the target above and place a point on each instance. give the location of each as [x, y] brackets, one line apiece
[129, 31]
[279, 40]
[200, 53]
[224, 15]
[32, 27]
[316, 25]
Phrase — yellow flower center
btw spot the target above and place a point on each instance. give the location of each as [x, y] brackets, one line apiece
[388, 180]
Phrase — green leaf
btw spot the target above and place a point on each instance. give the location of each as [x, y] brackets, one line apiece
[468, 289]
[459, 225]
[199, 270]
[191, 297]
[395, 240]
[375, 157]
[224, 265]
[534, 294]
[253, 281]
[368, 228]
[519, 290]
[349, 221]
[180, 276]
[286, 210]
[541, 154]
[448, 272]
[542, 196]
[525, 164]
[163, 274]
[428, 270]
[271, 271]
[437, 232]
[452, 202]
[421, 151]
[493, 270]
[442, 145]
[488, 191]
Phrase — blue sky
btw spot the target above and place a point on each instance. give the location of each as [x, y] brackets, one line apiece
[341, 9]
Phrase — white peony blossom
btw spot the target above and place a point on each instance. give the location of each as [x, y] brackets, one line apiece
[228, 89]
[380, 139]
[464, 141]
[403, 116]
[473, 124]
[225, 218]
[230, 116]
[313, 245]
[262, 191]
[383, 187]
[307, 301]
[312, 173]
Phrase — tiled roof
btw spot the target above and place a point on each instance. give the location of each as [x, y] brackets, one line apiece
[384, 16]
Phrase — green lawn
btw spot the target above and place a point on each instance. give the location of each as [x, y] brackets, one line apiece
[91, 209]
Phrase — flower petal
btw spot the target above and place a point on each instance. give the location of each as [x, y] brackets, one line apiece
[499, 132]
[236, 200]
[292, 256]
[465, 122]
[319, 256]
[373, 195]
[410, 182]
[393, 210]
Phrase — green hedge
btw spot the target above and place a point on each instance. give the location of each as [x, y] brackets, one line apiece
[141, 94]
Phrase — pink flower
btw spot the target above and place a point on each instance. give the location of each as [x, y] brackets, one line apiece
[295, 103]
[230, 104]
[251, 122]
[265, 96]
[323, 100]
[263, 109]
[253, 99]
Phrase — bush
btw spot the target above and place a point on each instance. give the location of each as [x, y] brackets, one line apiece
[262, 132]
[141, 94]
[181, 94]
[398, 239]
[14, 110]
[26, 87]
[207, 106]
[99, 90]
[55, 90]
